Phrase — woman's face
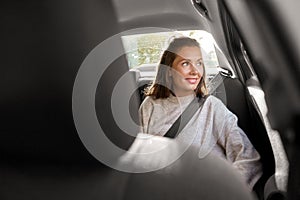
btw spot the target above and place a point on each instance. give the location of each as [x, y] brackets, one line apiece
[187, 70]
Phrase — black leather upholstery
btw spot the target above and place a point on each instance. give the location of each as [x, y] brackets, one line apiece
[271, 191]
[43, 46]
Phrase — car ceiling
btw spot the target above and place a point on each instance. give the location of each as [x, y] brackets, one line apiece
[157, 13]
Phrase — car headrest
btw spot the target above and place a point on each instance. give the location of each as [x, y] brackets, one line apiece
[43, 46]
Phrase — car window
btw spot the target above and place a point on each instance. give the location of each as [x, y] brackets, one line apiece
[143, 51]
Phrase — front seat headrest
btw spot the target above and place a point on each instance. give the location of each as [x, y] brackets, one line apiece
[43, 46]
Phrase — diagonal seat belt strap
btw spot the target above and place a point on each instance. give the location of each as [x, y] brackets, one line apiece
[185, 117]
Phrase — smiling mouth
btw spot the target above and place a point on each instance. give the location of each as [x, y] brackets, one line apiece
[191, 80]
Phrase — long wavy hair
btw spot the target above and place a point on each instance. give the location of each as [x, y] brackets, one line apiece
[163, 84]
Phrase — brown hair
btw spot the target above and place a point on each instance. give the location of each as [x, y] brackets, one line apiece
[161, 87]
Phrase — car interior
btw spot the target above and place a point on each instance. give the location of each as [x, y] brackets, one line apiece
[61, 62]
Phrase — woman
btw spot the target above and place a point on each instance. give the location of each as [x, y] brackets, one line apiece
[213, 129]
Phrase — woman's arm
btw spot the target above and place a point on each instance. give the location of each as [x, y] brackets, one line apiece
[238, 148]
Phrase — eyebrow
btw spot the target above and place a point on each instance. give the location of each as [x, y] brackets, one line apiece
[200, 59]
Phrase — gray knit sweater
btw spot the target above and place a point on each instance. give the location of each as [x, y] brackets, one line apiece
[213, 129]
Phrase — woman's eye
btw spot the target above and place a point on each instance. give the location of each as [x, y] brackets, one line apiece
[199, 64]
[185, 64]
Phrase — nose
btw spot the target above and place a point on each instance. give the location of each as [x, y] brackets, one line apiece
[194, 70]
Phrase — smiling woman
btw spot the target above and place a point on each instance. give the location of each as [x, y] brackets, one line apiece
[177, 72]
[213, 128]
[188, 70]
[144, 48]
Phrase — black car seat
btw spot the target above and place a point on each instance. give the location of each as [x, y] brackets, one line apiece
[43, 44]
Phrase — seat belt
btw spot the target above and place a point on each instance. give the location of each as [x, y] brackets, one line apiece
[185, 117]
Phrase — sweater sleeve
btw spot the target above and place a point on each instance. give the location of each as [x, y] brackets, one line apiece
[237, 147]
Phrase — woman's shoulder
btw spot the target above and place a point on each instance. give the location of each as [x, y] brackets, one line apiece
[214, 101]
[151, 101]
[148, 100]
